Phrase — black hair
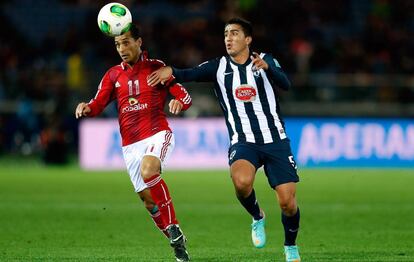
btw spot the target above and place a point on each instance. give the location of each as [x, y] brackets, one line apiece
[135, 31]
[246, 25]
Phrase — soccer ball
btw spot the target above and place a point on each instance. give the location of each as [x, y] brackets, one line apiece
[114, 19]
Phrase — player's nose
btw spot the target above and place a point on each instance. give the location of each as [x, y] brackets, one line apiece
[121, 49]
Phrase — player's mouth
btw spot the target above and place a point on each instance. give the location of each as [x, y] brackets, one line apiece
[124, 57]
[229, 48]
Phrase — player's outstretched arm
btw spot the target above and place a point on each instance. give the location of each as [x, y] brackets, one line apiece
[204, 72]
[82, 109]
[160, 76]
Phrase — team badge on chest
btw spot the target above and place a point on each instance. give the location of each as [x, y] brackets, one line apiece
[245, 93]
[132, 101]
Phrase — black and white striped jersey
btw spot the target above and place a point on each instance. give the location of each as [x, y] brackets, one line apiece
[247, 96]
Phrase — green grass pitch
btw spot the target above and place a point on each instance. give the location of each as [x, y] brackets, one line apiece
[66, 214]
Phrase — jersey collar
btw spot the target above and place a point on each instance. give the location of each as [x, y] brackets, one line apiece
[248, 61]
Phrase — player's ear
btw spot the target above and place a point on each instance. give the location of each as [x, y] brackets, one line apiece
[249, 40]
[139, 41]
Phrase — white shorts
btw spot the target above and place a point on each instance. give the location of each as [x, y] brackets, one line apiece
[159, 145]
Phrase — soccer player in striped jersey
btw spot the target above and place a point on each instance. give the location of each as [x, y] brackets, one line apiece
[246, 86]
[147, 140]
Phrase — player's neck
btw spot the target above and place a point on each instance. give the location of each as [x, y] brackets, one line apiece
[240, 58]
[133, 62]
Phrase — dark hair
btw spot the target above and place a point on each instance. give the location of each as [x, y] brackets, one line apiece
[246, 25]
[135, 32]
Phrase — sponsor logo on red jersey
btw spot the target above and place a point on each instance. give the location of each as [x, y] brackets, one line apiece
[245, 93]
[134, 106]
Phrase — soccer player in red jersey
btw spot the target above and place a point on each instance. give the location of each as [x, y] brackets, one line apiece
[147, 140]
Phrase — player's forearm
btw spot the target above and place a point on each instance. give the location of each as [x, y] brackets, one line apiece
[96, 108]
[186, 105]
[279, 77]
[181, 94]
[186, 75]
[103, 97]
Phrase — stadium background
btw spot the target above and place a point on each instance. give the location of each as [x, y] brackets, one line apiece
[350, 61]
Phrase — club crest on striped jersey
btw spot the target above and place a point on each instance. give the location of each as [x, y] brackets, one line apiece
[245, 93]
[232, 154]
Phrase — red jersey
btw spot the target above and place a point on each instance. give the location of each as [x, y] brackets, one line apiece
[140, 106]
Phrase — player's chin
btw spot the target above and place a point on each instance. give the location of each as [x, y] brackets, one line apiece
[231, 52]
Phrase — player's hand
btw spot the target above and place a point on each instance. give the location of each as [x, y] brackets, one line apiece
[82, 110]
[258, 62]
[159, 76]
[175, 106]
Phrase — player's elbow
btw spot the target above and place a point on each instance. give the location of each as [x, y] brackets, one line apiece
[280, 79]
[286, 84]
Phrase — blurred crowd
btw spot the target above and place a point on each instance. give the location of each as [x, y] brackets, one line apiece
[53, 55]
